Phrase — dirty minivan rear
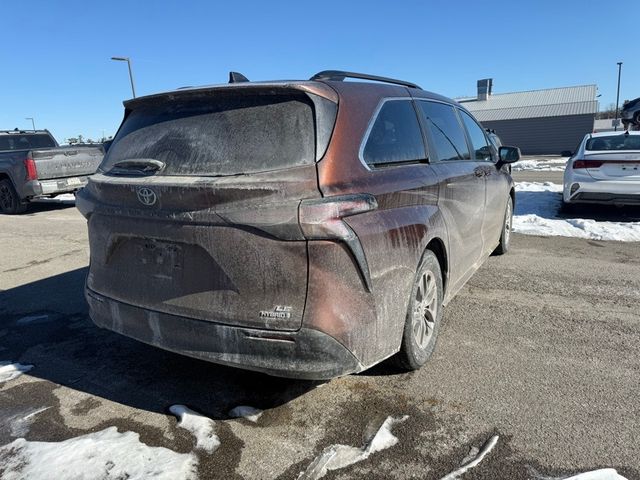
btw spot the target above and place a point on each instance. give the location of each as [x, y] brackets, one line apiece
[305, 229]
[196, 243]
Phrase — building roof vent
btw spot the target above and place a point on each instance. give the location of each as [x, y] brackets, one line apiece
[484, 88]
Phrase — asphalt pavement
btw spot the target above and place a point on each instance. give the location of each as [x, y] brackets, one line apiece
[540, 348]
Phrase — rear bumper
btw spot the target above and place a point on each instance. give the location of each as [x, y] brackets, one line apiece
[37, 188]
[625, 192]
[304, 354]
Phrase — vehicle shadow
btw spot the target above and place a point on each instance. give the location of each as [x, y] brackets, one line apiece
[45, 323]
[602, 213]
[48, 205]
[548, 204]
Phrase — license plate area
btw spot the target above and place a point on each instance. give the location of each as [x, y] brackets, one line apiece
[75, 182]
[622, 169]
[160, 259]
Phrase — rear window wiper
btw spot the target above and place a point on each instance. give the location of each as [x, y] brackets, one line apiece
[138, 166]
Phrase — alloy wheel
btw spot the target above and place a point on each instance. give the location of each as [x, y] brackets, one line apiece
[425, 309]
[508, 220]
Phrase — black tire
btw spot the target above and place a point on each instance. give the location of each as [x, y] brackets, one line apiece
[568, 207]
[505, 236]
[423, 315]
[9, 201]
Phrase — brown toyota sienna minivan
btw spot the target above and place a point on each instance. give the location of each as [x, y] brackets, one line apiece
[305, 229]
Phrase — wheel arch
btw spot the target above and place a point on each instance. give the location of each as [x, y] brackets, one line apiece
[437, 246]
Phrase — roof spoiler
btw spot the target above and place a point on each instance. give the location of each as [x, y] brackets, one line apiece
[339, 76]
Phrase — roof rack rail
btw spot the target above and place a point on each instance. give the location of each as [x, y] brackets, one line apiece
[339, 76]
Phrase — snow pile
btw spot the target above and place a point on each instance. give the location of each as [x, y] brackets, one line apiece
[246, 412]
[105, 454]
[340, 456]
[9, 371]
[540, 164]
[537, 207]
[602, 474]
[200, 426]
[473, 459]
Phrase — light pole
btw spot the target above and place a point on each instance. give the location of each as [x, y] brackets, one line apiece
[615, 128]
[33, 123]
[128, 60]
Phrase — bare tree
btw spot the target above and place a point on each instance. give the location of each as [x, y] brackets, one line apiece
[609, 112]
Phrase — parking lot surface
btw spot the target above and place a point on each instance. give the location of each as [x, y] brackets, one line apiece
[540, 348]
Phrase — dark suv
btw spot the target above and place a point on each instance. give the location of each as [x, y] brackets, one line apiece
[305, 229]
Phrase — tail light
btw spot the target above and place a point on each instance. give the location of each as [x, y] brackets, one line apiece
[30, 166]
[323, 220]
[587, 164]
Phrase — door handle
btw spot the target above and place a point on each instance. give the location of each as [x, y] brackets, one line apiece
[479, 172]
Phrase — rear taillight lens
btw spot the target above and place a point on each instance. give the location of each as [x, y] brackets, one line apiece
[30, 166]
[322, 219]
[587, 164]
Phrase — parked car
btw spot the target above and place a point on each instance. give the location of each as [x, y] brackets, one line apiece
[32, 165]
[304, 229]
[604, 169]
[630, 113]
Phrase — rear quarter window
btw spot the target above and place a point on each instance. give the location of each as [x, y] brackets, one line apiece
[395, 136]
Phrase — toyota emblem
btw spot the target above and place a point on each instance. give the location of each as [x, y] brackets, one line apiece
[146, 196]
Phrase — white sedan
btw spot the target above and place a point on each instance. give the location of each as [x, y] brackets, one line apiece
[604, 169]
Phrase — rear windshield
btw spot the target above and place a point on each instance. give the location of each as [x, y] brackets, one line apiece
[221, 134]
[25, 141]
[614, 142]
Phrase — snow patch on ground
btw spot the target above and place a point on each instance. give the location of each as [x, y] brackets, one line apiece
[202, 428]
[540, 164]
[9, 371]
[104, 454]
[601, 474]
[537, 207]
[62, 198]
[340, 456]
[20, 424]
[473, 459]
[33, 319]
[246, 412]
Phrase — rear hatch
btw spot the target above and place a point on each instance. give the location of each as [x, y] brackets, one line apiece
[66, 162]
[194, 211]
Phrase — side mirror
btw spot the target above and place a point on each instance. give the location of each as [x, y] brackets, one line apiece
[566, 153]
[508, 155]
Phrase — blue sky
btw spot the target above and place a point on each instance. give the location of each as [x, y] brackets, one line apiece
[57, 67]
